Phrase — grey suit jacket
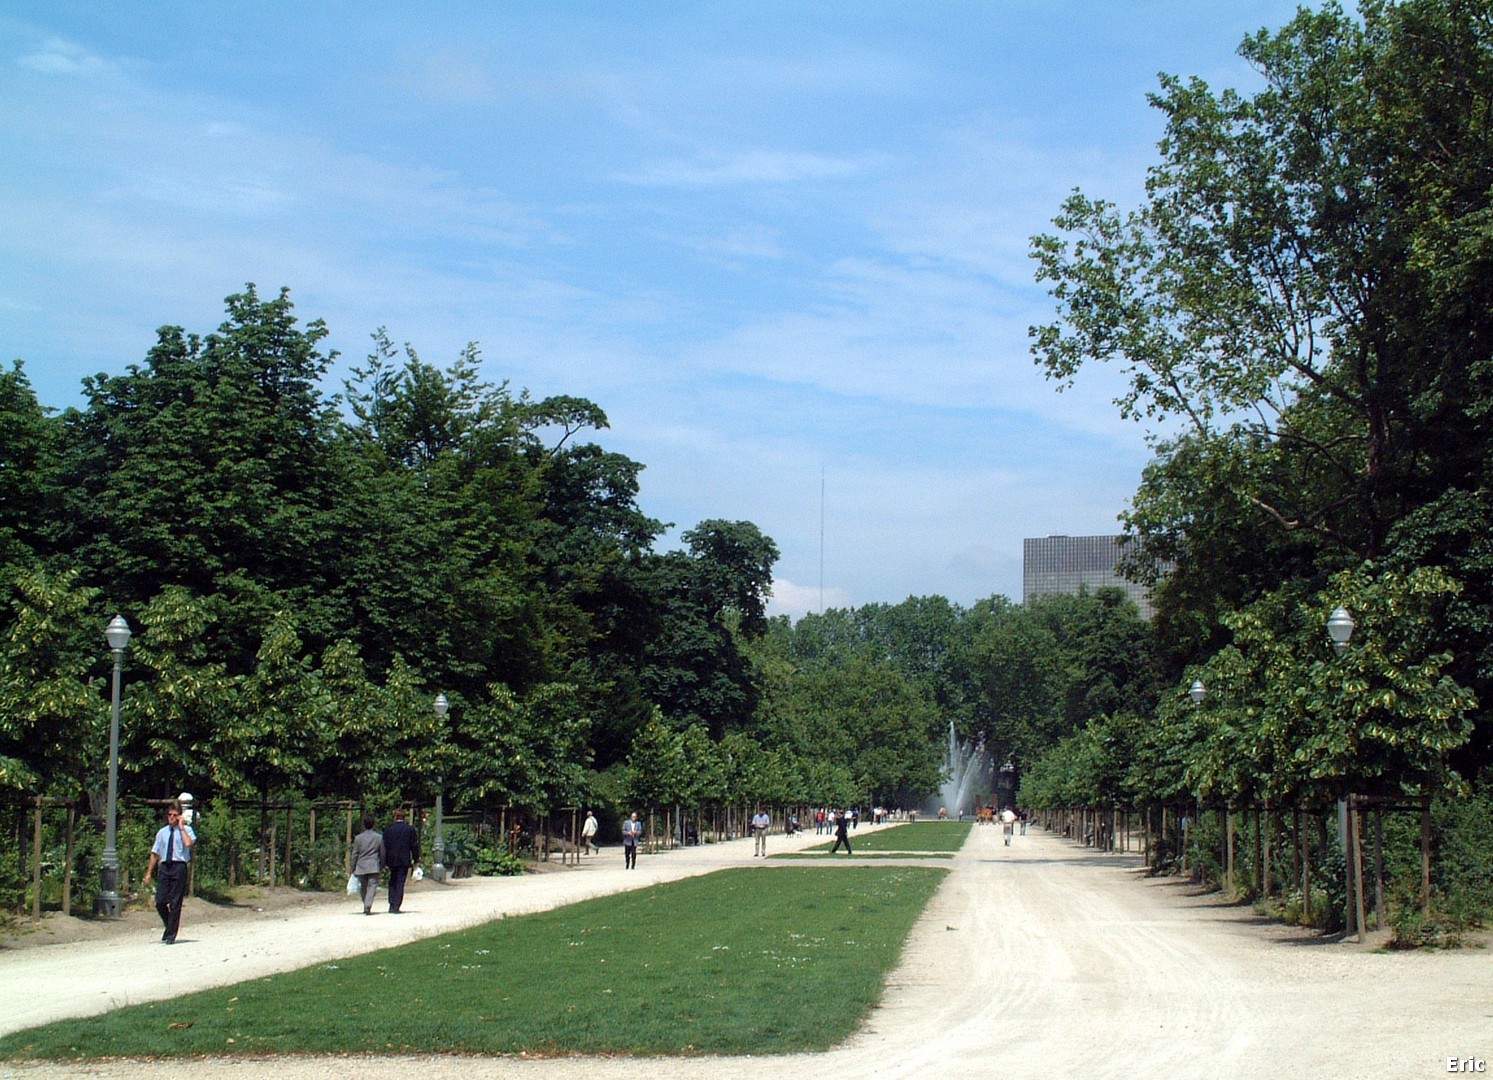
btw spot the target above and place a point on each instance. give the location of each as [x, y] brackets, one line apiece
[368, 852]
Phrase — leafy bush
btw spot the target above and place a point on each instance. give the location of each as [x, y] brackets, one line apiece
[1290, 908]
[1205, 848]
[493, 862]
[1412, 930]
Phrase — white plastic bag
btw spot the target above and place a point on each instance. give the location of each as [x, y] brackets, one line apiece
[354, 886]
[418, 875]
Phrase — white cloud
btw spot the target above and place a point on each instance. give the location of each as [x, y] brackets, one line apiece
[795, 600]
[747, 167]
[57, 56]
[761, 261]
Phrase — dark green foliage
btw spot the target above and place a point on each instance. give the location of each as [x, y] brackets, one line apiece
[51, 717]
[301, 582]
[29, 490]
[210, 468]
[708, 600]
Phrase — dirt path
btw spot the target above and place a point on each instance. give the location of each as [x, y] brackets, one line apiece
[1035, 960]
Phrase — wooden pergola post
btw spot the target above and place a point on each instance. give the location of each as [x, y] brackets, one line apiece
[1262, 845]
[1303, 844]
[36, 865]
[1228, 850]
[1425, 858]
[67, 871]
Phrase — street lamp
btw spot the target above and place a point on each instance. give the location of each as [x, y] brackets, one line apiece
[1340, 629]
[1008, 783]
[442, 706]
[109, 904]
[1198, 693]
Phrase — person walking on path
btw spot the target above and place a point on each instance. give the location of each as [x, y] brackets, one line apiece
[842, 833]
[368, 861]
[632, 833]
[588, 833]
[171, 854]
[760, 824]
[1008, 824]
[401, 851]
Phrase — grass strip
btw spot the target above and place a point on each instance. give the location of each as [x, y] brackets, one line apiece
[913, 836]
[727, 963]
[822, 855]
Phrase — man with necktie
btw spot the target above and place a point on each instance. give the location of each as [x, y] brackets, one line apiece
[171, 854]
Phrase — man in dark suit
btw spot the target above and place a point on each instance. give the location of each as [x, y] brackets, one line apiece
[401, 851]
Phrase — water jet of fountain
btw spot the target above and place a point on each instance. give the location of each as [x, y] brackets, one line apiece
[967, 772]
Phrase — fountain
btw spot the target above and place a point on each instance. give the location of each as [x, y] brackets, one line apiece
[967, 770]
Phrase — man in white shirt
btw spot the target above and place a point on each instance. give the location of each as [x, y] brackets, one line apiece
[588, 833]
[171, 854]
[760, 824]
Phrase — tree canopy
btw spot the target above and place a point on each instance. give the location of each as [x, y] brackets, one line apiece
[1301, 310]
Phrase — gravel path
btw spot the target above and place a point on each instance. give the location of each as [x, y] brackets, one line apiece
[1041, 959]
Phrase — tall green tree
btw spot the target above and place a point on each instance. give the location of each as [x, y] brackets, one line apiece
[1307, 269]
[30, 489]
[707, 600]
[180, 695]
[1302, 305]
[277, 728]
[51, 714]
[208, 467]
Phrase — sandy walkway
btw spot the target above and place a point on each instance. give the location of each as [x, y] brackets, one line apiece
[1037, 960]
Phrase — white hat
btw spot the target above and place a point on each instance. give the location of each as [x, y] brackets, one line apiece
[185, 796]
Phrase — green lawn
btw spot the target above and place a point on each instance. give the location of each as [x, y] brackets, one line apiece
[738, 961]
[915, 837]
[821, 854]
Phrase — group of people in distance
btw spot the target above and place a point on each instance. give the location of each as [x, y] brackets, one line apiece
[1008, 818]
[827, 819]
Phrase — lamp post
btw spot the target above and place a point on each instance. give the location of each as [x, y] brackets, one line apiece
[442, 706]
[1198, 693]
[109, 904]
[1008, 784]
[1340, 629]
[1340, 632]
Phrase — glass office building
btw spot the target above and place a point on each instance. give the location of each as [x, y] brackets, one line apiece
[1066, 564]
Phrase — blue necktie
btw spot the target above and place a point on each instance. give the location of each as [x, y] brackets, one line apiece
[170, 842]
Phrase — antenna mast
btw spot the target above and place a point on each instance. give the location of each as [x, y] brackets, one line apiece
[821, 539]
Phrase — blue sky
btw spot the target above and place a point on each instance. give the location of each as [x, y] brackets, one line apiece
[784, 246]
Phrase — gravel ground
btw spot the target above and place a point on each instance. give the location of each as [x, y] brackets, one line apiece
[1041, 959]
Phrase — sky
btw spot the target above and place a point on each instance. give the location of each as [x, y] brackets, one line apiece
[784, 246]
